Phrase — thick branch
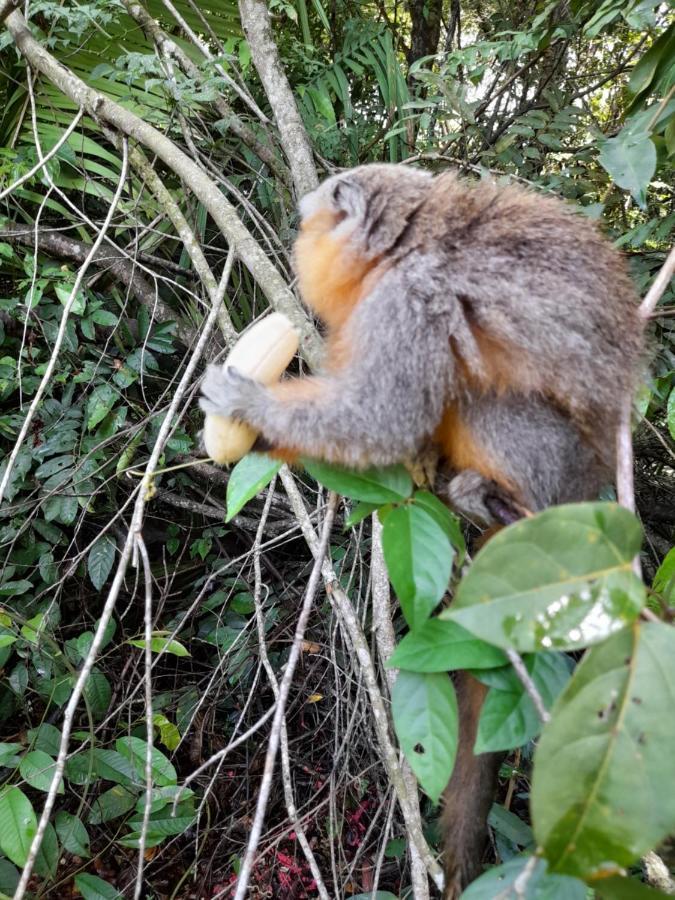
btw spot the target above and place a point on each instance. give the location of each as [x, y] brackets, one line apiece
[255, 18]
[223, 213]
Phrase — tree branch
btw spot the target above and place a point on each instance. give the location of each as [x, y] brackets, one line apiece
[255, 18]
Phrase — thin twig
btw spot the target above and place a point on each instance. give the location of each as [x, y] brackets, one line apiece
[658, 286]
[531, 689]
[284, 688]
[149, 725]
[355, 636]
[264, 658]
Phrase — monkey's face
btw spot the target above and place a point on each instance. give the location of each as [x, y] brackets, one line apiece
[347, 225]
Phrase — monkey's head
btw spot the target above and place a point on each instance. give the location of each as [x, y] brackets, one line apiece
[349, 224]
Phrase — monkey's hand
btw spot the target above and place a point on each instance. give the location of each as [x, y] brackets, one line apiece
[226, 392]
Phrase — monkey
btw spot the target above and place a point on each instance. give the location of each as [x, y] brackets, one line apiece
[488, 321]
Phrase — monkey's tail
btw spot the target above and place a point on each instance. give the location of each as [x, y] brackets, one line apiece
[469, 794]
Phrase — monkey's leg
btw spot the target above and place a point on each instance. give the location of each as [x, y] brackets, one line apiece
[482, 499]
[469, 795]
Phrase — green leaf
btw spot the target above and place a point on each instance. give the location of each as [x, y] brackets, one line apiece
[162, 644]
[98, 693]
[630, 160]
[72, 834]
[94, 888]
[445, 518]
[375, 485]
[38, 770]
[247, 479]
[8, 753]
[99, 404]
[111, 804]
[442, 646]
[603, 789]
[63, 292]
[664, 580]
[645, 70]
[424, 709]
[45, 737]
[626, 889]
[359, 513]
[169, 734]
[47, 860]
[524, 878]
[112, 766]
[506, 823]
[134, 749]
[559, 580]
[670, 410]
[100, 561]
[508, 717]
[9, 878]
[419, 560]
[17, 824]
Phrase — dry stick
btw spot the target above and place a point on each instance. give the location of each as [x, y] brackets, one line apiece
[60, 335]
[149, 725]
[624, 443]
[352, 626]
[284, 689]
[531, 689]
[255, 18]
[385, 640]
[134, 529]
[221, 210]
[264, 658]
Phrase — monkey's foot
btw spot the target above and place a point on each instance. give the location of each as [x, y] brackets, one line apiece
[226, 392]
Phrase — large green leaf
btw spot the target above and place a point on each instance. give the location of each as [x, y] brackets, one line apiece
[134, 749]
[441, 646]
[424, 709]
[18, 824]
[419, 560]
[383, 485]
[524, 878]
[603, 789]
[508, 717]
[247, 479]
[72, 833]
[630, 160]
[37, 768]
[559, 580]
[94, 888]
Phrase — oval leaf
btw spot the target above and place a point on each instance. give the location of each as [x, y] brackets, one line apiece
[603, 788]
[134, 749]
[374, 485]
[72, 834]
[559, 580]
[17, 824]
[424, 709]
[247, 479]
[100, 561]
[94, 888]
[442, 646]
[37, 768]
[524, 878]
[419, 560]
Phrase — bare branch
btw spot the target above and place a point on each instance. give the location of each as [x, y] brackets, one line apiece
[284, 688]
[530, 687]
[255, 18]
[352, 627]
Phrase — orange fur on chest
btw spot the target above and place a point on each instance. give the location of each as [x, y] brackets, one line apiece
[331, 275]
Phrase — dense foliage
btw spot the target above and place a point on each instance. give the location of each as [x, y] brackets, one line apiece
[576, 98]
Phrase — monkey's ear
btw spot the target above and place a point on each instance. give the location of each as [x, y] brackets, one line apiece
[341, 194]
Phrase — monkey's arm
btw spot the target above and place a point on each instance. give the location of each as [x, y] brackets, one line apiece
[377, 409]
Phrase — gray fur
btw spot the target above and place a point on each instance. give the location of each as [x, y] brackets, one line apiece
[463, 261]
